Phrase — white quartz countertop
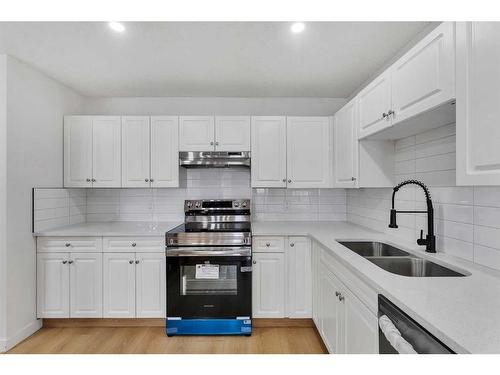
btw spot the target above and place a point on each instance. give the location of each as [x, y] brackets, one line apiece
[463, 312]
[113, 228]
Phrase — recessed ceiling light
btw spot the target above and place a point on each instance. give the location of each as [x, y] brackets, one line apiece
[297, 27]
[116, 26]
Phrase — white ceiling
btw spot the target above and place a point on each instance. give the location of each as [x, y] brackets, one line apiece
[252, 59]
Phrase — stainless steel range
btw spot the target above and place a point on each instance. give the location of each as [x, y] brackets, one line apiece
[209, 269]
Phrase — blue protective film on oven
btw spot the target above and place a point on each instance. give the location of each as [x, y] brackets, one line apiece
[209, 327]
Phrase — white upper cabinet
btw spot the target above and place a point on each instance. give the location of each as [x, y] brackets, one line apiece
[345, 127]
[106, 151]
[92, 151]
[196, 133]
[85, 285]
[164, 151]
[425, 76]
[135, 151]
[268, 151]
[232, 133]
[78, 151]
[418, 83]
[374, 105]
[150, 285]
[478, 97]
[309, 154]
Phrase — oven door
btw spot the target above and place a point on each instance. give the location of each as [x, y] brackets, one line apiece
[209, 282]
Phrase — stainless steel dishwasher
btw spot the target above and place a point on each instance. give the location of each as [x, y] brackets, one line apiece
[400, 334]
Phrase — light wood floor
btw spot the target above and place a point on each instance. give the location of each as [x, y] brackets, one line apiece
[139, 340]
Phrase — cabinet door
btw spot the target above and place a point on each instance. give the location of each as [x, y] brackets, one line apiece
[77, 151]
[150, 285]
[85, 285]
[309, 156]
[232, 133]
[316, 297]
[119, 285]
[345, 124]
[360, 327]
[299, 282]
[268, 151]
[106, 155]
[268, 285]
[135, 151]
[374, 104]
[164, 151]
[52, 287]
[196, 133]
[478, 95]
[331, 314]
[425, 76]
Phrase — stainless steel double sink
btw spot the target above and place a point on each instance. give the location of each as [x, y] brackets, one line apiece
[397, 261]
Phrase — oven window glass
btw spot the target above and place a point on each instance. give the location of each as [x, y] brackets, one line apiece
[210, 279]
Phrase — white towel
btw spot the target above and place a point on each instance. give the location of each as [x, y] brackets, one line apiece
[394, 337]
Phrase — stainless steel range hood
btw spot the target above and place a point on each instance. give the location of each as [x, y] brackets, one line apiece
[214, 159]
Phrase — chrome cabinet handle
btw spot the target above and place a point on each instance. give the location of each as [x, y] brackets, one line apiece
[391, 112]
[289, 181]
[131, 262]
[353, 178]
[337, 294]
[268, 244]
[136, 262]
[211, 143]
[64, 261]
[341, 298]
[292, 244]
[134, 244]
[151, 180]
[93, 180]
[146, 179]
[67, 244]
[88, 179]
[384, 115]
[70, 262]
[254, 262]
[284, 180]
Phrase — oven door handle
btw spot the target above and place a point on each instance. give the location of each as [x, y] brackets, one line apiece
[208, 251]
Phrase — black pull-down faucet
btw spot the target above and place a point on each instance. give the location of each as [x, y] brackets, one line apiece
[430, 239]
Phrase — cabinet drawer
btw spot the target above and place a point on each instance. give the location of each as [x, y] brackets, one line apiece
[68, 244]
[133, 244]
[271, 244]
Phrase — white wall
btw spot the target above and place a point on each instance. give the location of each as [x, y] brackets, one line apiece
[3, 199]
[35, 108]
[211, 106]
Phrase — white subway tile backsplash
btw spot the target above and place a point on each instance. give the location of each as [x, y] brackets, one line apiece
[467, 219]
[58, 207]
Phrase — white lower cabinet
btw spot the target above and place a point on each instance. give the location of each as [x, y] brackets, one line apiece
[150, 281]
[85, 285]
[69, 285]
[119, 285]
[299, 281]
[52, 273]
[268, 285]
[134, 285]
[346, 324]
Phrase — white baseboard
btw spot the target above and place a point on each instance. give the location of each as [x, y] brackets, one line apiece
[30, 328]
